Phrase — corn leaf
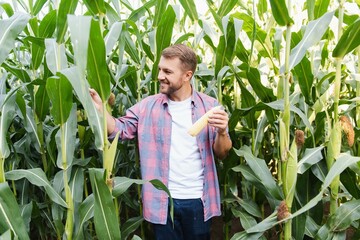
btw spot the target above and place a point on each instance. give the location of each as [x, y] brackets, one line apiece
[97, 70]
[80, 33]
[342, 162]
[81, 88]
[226, 7]
[38, 178]
[247, 221]
[163, 35]
[267, 223]
[109, 156]
[130, 47]
[9, 30]
[310, 157]
[220, 56]
[106, 222]
[249, 206]
[77, 184]
[95, 7]
[138, 13]
[130, 226]
[349, 40]
[348, 179]
[264, 93]
[7, 235]
[8, 9]
[345, 215]
[261, 171]
[66, 7]
[321, 7]
[246, 236]
[60, 93]
[247, 100]
[42, 103]
[69, 128]
[10, 217]
[255, 32]
[55, 55]
[37, 7]
[123, 183]
[313, 34]
[18, 72]
[279, 105]
[113, 36]
[86, 212]
[225, 51]
[251, 177]
[280, 12]
[311, 228]
[304, 76]
[262, 7]
[160, 8]
[190, 9]
[7, 116]
[46, 30]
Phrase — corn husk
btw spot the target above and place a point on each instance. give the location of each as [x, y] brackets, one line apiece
[195, 129]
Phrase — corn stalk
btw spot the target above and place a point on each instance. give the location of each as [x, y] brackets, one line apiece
[334, 146]
[358, 91]
[288, 156]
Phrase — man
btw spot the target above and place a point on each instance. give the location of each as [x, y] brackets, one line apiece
[185, 164]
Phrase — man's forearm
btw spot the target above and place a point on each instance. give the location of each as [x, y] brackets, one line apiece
[222, 145]
[110, 123]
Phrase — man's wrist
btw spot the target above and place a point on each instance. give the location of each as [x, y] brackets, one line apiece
[224, 133]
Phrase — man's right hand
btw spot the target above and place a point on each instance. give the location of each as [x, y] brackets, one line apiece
[99, 106]
[96, 99]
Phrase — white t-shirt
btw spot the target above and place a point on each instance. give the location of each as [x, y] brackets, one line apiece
[186, 169]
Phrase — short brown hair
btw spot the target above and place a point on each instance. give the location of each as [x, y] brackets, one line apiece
[186, 55]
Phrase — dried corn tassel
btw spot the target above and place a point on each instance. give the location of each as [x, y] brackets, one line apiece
[283, 211]
[201, 122]
[348, 130]
[299, 138]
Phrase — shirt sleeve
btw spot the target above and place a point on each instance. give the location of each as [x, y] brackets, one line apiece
[127, 125]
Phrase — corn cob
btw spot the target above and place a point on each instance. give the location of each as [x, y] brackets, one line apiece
[201, 122]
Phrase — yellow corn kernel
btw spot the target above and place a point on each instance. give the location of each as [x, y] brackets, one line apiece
[201, 122]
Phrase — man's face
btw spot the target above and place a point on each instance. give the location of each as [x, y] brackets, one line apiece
[171, 75]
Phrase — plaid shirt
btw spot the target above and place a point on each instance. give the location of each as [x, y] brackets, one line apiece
[150, 121]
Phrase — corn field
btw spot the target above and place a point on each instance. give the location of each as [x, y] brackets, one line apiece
[287, 72]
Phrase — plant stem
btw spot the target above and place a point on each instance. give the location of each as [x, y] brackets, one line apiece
[2, 170]
[107, 168]
[334, 147]
[69, 226]
[357, 119]
[285, 135]
[358, 88]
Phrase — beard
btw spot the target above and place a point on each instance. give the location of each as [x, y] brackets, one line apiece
[169, 88]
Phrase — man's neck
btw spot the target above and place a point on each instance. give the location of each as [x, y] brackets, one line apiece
[182, 94]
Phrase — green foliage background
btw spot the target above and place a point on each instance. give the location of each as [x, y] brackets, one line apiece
[280, 68]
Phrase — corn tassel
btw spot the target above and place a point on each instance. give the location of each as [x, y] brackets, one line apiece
[195, 129]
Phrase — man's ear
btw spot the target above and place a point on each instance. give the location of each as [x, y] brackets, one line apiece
[189, 75]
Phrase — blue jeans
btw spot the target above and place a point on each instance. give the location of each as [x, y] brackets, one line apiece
[188, 222]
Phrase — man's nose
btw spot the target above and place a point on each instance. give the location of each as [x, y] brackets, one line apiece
[161, 75]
